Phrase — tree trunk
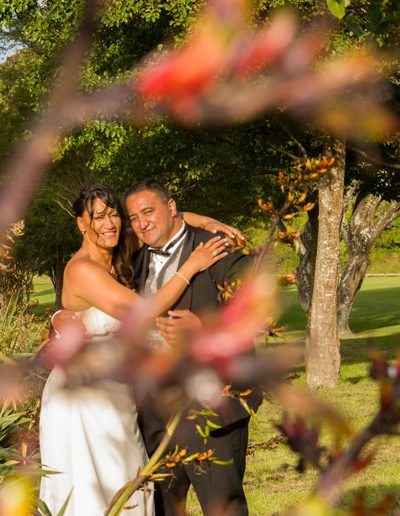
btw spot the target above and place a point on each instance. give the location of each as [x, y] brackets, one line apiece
[306, 267]
[58, 280]
[350, 284]
[322, 352]
[368, 221]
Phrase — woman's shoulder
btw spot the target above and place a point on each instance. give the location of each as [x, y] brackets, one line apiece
[80, 265]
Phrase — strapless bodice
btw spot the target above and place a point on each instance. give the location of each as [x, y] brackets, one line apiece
[98, 322]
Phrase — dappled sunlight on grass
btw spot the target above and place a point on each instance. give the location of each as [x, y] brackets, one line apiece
[43, 293]
[272, 482]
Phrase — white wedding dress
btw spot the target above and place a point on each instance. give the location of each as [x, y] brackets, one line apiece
[90, 435]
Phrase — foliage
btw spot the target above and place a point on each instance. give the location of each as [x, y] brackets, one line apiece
[243, 318]
[50, 237]
[15, 280]
[20, 336]
[20, 331]
[338, 7]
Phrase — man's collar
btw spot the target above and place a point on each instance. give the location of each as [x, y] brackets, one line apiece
[168, 248]
[175, 238]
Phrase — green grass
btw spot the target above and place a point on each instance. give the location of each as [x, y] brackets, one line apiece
[43, 293]
[272, 482]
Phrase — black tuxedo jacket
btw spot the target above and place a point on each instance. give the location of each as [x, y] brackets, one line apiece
[202, 294]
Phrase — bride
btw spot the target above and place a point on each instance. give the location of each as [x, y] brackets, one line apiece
[89, 434]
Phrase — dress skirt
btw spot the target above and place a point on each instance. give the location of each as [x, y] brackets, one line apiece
[90, 437]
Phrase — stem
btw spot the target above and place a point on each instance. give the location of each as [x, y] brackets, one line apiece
[123, 495]
[268, 241]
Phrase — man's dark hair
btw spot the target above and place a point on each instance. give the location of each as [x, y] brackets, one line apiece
[153, 186]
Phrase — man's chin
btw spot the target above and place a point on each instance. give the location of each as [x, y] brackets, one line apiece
[150, 242]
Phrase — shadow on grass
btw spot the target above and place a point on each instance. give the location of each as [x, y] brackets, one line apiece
[48, 292]
[40, 310]
[356, 349]
[374, 308]
[372, 496]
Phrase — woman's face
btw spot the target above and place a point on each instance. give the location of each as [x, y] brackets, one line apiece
[104, 228]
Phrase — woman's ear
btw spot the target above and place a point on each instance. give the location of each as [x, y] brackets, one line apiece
[81, 225]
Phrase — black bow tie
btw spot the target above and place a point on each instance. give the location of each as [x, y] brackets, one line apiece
[166, 252]
[160, 252]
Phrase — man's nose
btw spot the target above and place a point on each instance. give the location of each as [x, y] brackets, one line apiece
[142, 222]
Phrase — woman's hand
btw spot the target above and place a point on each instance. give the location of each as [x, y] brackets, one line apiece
[207, 254]
[215, 225]
[210, 224]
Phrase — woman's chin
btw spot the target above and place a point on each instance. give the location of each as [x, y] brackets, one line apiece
[108, 242]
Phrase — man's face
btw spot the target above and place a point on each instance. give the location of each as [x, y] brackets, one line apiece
[153, 220]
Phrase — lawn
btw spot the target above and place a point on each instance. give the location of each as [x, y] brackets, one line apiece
[43, 294]
[272, 482]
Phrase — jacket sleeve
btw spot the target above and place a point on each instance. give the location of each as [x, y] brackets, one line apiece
[231, 268]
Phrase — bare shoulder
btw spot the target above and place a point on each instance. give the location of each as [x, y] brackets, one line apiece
[80, 267]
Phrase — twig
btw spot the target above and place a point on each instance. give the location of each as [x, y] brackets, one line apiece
[144, 474]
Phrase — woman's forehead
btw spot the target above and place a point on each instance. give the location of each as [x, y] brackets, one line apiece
[98, 206]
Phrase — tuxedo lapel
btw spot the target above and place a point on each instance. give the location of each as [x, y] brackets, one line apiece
[185, 302]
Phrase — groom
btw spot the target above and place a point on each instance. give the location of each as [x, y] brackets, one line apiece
[168, 242]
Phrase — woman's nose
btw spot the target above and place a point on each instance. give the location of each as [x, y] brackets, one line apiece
[110, 222]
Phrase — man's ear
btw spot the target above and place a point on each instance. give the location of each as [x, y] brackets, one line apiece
[172, 208]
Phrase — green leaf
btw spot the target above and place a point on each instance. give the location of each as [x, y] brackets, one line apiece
[61, 512]
[44, 510]
[219, 462]
[338, 7]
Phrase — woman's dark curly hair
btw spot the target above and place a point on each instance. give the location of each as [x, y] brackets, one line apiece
[121, 259]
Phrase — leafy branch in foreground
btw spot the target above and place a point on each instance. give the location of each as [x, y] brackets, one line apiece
[337, 464]
[296, 186]
[252, 71]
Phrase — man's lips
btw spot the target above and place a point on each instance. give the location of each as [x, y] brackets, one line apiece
[145, 231]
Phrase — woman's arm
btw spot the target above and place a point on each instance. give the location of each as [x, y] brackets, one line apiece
[210, 224]
[87, 283]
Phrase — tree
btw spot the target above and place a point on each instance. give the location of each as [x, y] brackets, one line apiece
[49, 240]
[113, 54]
[322, 340]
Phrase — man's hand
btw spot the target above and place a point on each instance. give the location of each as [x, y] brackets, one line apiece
[178, 325]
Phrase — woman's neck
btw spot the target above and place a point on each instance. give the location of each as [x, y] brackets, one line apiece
[103, 256]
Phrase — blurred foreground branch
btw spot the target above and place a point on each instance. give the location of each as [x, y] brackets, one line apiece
[223, 73]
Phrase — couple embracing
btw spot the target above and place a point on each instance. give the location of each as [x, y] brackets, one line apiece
[91, 434]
